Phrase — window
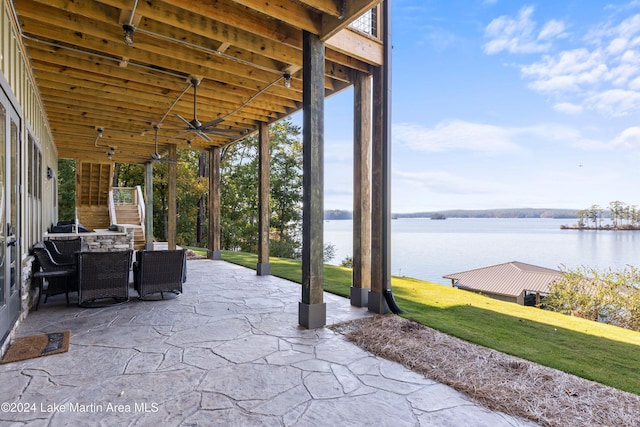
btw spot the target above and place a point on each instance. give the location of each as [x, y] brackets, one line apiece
[34, 190]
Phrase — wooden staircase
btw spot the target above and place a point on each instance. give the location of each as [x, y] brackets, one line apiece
[129, 215]
[127, 208]
[99, 204]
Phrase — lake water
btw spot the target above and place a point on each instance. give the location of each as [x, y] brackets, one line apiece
[429, 249]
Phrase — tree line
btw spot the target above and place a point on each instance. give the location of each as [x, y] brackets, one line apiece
[239, 193]
[620, 216]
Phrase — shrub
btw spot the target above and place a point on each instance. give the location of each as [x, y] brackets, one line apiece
[601, 295]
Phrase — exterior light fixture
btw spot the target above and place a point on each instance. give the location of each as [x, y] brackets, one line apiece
[128, 33]
[189, 143]
[98, 136]
[287, 80]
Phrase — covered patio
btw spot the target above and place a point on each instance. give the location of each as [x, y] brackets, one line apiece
[132, 82]
[226, 352]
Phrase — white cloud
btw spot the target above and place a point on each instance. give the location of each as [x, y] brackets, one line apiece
[552, 29]
[455, 135]
[461, 136]
[587, 144]
[548, 132]
[566, 72]
[614, 102]
[568, 108]
[617, 45]
[628, 138]
[442, 183]
[600, 72]
[518, 35]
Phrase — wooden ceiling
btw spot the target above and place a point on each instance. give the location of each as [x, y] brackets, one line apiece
[239, 52]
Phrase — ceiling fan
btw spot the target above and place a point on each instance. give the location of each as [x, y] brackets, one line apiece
[205, 129]
[157, 156]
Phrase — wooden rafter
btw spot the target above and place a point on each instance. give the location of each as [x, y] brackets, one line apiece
[240, 49]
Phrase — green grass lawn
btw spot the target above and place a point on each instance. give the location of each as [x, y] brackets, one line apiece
[602, 353]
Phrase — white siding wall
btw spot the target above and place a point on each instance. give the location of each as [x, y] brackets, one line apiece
[16, 71]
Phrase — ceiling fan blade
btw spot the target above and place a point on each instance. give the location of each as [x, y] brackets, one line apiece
[185, 121]
[203, 136]
[226, 131]
[186, 132]
[211, 123]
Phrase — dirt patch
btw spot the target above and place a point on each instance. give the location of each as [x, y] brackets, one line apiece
[498, 381]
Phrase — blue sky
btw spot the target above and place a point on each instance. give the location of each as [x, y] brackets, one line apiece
[500, 104]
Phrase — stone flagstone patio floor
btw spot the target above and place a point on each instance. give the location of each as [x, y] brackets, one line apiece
[227, 352]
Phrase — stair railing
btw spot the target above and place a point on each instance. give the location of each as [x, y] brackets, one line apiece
[131, 196]
[112, 208]
[141, 210]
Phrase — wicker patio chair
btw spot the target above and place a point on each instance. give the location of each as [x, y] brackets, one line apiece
[103, 275]
[159, 271]
[64, 251]
[60, 277]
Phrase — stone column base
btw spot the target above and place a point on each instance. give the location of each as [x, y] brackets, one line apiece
[360, 296]
[377, 303]
[214, 255]
[312, 316]
[263, 269]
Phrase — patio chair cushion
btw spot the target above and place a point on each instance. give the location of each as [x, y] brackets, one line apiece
[159, 271]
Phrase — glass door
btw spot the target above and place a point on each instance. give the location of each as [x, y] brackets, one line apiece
[9, 260]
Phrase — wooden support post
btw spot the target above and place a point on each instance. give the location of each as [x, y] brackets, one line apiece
[264, 153]
[361, 285]
[381, 299]
[148, 208]
[213, 250]
[312, 310]
[376, 301]
[172, 220]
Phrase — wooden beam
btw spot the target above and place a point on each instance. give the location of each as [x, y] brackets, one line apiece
[172, 221]
[148, 50]
[358, 45]
[168, 14]
[330, 7]
[148, 192]
[312, 309]
[361, 191]
[264, 212]
[213, 250]
[292, 13]
[376, 301]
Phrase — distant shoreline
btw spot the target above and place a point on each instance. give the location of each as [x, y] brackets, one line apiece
[337, 214]
[605, 228]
